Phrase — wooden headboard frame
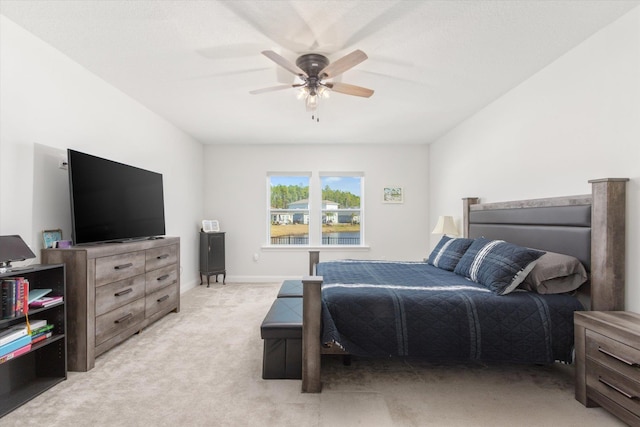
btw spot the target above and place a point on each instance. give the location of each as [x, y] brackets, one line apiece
[606, 258]
[590, 227]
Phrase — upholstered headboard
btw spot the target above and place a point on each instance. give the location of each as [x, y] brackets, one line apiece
[590, 228]
[563, 229]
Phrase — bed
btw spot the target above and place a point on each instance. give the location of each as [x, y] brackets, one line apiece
[464, 311]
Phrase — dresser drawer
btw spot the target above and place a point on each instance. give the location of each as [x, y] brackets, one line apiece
[160, 300]
[117, 267]
[614, 354]
[162, 256]
[117, 294]
[161, 277]
[617, 387]
[112, 323]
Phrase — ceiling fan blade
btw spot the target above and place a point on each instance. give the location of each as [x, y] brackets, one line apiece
[285, 63]
[273, 89]
[349, 89]
[343, 64]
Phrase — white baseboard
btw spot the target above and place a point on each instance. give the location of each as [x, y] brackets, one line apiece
[259, 279]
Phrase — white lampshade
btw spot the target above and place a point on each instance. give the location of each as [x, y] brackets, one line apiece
[445, 225]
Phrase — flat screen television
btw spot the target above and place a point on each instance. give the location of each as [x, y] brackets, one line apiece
[113, 202]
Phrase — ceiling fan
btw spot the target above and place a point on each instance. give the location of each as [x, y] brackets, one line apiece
[313, 69]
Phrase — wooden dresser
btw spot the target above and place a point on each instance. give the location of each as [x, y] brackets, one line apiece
[608, 362]
[114, 290]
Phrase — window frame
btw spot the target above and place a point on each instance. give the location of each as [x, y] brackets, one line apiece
[270, 210]
[360, 209]
[315, 211]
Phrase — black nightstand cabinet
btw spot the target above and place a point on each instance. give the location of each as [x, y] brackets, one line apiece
[212, 258]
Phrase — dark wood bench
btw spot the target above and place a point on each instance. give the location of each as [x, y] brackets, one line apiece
[291, 289]
[281, 331]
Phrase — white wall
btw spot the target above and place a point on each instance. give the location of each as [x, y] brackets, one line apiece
[577, 119]
[236, 195]
[50, 103]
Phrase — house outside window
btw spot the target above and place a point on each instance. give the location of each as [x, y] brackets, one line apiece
[297, 218]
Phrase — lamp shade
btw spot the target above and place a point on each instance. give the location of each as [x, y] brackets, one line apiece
[445, 225]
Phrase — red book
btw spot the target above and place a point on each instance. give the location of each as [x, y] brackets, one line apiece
[41, 337]
[25, 294]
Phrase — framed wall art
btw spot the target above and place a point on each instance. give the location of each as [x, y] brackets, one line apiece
[392, 194]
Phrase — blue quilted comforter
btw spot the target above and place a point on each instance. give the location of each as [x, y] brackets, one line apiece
[381, 309]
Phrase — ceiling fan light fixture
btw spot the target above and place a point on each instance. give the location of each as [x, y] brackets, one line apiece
[312, 102]
[323, 92]
[311, 70]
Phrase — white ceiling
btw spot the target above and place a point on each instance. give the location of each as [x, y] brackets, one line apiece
[431, 63]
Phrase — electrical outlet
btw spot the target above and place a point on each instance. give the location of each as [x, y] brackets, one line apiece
[256, 257]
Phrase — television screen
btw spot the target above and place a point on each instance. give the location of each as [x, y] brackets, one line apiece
[111, 201]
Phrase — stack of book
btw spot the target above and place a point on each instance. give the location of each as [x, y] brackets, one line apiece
[14, 293]
[18, 339]
[45, 301]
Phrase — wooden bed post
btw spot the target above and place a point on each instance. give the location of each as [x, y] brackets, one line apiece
[608, 243]
[466, 207]
[314, 258]
[311, 330]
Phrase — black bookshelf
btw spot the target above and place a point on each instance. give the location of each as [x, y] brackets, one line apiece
[45, 365]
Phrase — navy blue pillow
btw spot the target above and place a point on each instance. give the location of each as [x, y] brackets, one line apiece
[448, 252]
[496, 264]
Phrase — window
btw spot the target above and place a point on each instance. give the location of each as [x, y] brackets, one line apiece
[306, 210]
[341, 209]
[288, 209]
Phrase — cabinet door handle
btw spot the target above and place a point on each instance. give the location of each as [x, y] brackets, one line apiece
[166, 276]
[163, 256]
[618, 389]
[163, 298]
[615, 356]
[124, 318]
[126, 291]
[123, 266]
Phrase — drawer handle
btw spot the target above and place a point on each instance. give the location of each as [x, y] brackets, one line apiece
[625, 361]
[165, 256]
[123, 266]
[124, 318]
[126, 291]
[166, 276]
[618, 389]
[163, 298]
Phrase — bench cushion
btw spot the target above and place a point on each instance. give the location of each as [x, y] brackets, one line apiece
[284, 319]
[291, 289]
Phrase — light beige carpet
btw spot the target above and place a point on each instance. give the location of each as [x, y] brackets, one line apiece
[202, 367]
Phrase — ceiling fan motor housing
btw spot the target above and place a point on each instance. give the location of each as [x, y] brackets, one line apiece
[312, 63]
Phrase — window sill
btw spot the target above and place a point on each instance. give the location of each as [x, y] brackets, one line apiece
[301, 248]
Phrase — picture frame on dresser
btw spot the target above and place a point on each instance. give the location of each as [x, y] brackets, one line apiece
[50, 237]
